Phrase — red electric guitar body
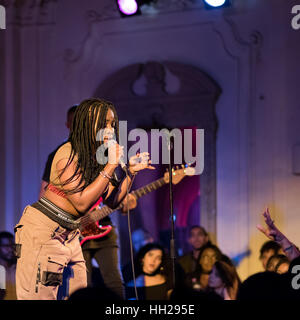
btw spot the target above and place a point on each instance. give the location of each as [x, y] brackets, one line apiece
[89, 223]
[94, 231]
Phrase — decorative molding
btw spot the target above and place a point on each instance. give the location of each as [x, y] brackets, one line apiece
[109, 11]
[30, 12]
[41, 12]
[256, 40]
[172, 5]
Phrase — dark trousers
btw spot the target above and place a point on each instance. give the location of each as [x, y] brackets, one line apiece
[109, 270]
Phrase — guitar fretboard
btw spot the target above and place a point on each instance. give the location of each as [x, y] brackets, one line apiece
[148, 188]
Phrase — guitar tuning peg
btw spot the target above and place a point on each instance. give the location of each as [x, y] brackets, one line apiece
[177, 167]
[182, 166]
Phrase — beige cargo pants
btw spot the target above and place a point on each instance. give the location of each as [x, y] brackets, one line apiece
[44, 249]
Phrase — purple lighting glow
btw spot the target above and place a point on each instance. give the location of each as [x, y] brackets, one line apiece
[128, 7]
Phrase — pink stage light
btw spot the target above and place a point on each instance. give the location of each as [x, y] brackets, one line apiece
[128, 7]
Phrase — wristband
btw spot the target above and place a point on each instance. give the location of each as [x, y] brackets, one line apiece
[104, 174]
[278, 238]
[288, 248]
[131, 175]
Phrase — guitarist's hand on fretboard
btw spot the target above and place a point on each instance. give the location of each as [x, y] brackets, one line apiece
[132, 201]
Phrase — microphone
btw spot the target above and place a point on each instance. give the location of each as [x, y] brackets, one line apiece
[122, 164]
[121, 160]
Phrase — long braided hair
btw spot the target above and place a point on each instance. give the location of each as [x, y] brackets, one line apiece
[89, 118]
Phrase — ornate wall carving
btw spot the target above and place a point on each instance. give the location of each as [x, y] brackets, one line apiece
[30, 12]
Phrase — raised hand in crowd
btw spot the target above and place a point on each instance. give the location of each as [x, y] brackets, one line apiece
[273, 233]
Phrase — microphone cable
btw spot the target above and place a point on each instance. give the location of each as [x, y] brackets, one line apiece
[129, 233]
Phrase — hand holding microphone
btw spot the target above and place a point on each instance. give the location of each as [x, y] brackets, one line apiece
[110, 147]
[115, 153]
[136, 163]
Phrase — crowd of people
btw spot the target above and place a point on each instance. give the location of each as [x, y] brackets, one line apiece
[204, 273]
[207, 273]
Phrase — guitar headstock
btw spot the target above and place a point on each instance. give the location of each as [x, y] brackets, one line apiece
[179, 173]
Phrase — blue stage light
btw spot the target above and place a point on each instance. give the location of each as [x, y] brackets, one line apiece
[216, 3]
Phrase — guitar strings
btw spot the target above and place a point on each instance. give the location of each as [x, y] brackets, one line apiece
[87, 219]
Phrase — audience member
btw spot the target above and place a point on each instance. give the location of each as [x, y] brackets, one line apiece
[140, 238]
[153, 281]
[198, 237]
[273, 233]
[8, 261]
[275, 260]
[264, 286]
[198, 280]
[282, 283]
[282, 265]
[224, 280]
[269, 249]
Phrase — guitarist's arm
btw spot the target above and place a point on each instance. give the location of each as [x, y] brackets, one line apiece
[116, 195]
[136, 163]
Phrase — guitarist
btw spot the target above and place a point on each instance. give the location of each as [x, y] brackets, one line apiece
[47, 235]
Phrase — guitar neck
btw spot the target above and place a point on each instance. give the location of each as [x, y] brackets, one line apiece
[103, 212]
[99, 214]
[148, 188]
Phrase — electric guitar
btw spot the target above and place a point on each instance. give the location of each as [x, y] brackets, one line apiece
[89, 223]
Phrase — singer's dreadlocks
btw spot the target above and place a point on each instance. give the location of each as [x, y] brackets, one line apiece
[89, 118]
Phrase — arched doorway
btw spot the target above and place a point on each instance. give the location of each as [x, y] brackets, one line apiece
[169, 95]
